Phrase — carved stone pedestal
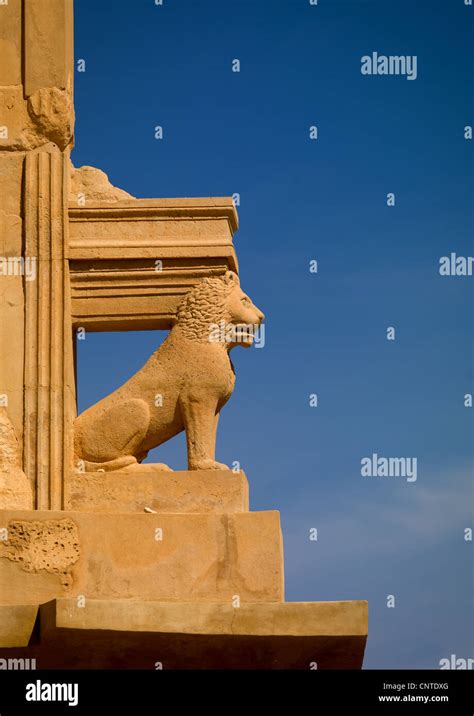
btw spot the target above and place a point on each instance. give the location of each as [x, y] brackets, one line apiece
[119, 587]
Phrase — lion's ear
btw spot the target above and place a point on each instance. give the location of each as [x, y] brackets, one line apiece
[231, 278]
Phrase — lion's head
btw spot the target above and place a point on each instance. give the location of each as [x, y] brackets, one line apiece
[217, 310]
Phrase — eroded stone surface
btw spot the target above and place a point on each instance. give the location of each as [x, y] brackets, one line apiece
[50, 545]
[9, 448]
[89, 184]
[15, 488]
[51, 115]
[47, 116]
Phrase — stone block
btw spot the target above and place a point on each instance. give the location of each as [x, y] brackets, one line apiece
[124, 635]
[169, 557]
[131, 490]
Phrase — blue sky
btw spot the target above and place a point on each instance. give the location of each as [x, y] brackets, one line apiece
[301, 199]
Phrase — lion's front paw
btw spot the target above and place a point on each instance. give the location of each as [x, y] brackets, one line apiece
[208, 465]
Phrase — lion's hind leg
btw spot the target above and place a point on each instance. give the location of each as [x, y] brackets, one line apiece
[112, 438]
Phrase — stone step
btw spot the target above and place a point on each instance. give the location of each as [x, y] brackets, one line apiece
[190, 635]
[146, 486]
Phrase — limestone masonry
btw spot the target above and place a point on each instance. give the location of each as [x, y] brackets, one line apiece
[98, 548]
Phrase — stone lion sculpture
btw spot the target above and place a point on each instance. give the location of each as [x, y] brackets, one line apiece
[183, 385]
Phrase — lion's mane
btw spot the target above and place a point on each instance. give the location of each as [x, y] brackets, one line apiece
[203, 306]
